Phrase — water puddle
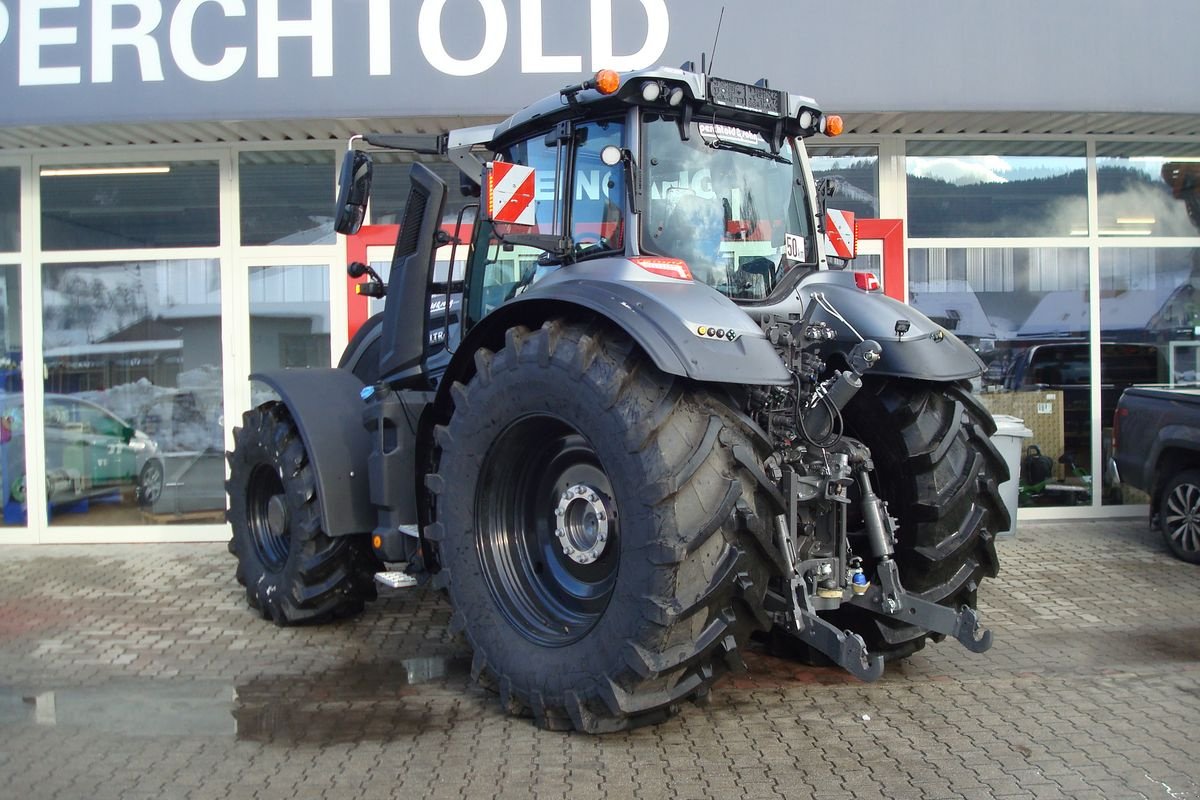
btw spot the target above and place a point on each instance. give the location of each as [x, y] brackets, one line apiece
[355, 702]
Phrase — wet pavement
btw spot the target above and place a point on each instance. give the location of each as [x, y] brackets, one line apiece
[137, 671]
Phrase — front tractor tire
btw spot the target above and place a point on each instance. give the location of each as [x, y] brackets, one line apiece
[593, 530]
[292, 570]
[939, 472]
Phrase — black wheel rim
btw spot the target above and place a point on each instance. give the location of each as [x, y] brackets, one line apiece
[152, 482]
[266, 512]
[1182, 518]
[548, 533]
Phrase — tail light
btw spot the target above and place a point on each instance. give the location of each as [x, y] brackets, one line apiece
[866, 281]
[1116, 434]
[666, 267]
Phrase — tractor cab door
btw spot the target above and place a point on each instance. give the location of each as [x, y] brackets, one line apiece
[571, 208]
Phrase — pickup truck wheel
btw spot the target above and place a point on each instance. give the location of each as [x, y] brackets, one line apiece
[939, 473]
[293, 572]
[1179, 515]
[592, 525]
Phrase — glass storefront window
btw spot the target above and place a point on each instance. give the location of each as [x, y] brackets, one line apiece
[1025, 311]
[996, 189]
[10, 209]
[123, 206]
[1149, 320]
[133, 407]
[1148, 189]
[287, 196]
[12, 404]
[853, 171]
[289, 317]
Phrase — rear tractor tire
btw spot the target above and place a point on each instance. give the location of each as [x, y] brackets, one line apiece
[939, 473]
[593, 528]
[292, 570]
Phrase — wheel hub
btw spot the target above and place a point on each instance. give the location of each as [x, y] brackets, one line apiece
[582, 526]
[277, 515]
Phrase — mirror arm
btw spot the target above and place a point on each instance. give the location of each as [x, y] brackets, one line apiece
[559, 246]
[825, 190]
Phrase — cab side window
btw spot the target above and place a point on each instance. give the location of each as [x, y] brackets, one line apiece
[500, 270]
[596, 214]
[598, 208]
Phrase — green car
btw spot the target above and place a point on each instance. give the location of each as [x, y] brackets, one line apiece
[90, 452]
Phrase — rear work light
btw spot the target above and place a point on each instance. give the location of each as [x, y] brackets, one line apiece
[866, 281]
[666, 267]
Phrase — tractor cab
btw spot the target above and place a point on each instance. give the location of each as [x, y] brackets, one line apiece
[661, 175]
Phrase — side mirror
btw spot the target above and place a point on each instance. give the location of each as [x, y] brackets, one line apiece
[354, 189]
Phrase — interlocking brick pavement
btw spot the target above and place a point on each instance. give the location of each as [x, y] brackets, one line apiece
[138, 672]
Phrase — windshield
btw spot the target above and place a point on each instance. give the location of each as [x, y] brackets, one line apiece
[722, 202]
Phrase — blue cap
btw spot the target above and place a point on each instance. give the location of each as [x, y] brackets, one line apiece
[366, 392]
[860, 579]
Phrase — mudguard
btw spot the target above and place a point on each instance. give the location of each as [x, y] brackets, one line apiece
[687, 328]
[327, 408]
[925, 351]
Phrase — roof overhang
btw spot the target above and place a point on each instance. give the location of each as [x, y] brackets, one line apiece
[864, 124]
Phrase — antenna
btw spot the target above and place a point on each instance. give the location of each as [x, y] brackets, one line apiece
[713, 58]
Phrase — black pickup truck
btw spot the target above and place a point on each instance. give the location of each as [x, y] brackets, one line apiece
[1156, 448]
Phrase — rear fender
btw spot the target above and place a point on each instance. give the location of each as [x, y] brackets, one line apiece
[926, 351]
[327, 409]
[686, 328]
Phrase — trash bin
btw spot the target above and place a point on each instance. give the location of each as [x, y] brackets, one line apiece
[1010, 431]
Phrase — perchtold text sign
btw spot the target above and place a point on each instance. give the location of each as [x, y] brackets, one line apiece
[360, 55]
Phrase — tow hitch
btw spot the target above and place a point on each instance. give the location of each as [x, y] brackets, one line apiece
[885, 596]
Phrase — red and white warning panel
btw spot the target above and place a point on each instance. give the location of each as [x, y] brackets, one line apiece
[510, 193]
[841, 234]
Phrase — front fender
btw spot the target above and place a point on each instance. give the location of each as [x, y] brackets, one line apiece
[927, 351]
[327, 409]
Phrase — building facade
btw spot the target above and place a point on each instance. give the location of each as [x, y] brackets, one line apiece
[167, 170]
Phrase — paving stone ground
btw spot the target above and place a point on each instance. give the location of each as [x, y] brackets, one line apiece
[138, 672]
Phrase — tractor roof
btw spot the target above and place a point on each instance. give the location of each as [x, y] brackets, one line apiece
[756, 104]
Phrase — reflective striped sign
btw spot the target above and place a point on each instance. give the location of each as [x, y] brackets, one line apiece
[510, 193]
[841, 240]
